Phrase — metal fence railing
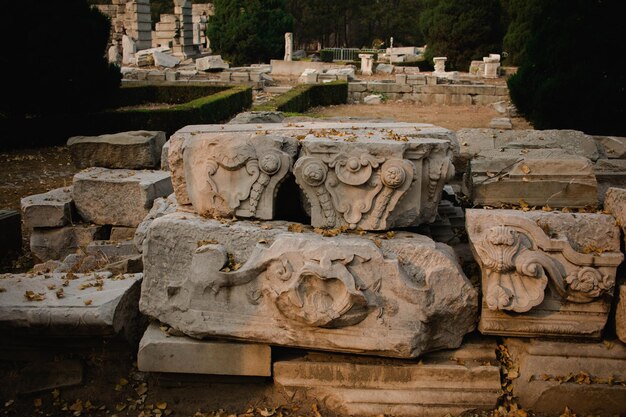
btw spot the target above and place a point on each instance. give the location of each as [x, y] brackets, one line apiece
[351, 54]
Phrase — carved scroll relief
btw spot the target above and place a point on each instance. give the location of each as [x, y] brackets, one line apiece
[363, 184]
[234, 174]
[523, 268]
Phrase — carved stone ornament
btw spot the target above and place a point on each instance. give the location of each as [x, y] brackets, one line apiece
[238, 175]
[303, 290]
[372, 183]
[535, 262]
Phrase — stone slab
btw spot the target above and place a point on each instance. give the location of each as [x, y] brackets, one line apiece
[615, 204]
[537, 177]
[161, 207]
[139, 149]
[262, 283]
[449, 382]
[233, 174]
[544, 273]
[614, 146]
[213, 62]
[71, 305]
[59, 242]
[11, 236]
[111, 249]
[500, 123]
[475, 141]
[588, 378]
[52, 209]
[118, 197]
[160, 352]
[164, 60]
[609, 173]
[121, 233]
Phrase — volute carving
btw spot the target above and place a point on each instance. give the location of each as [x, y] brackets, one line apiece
[236, 174]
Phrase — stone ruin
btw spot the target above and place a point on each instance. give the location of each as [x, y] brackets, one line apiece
[213, 241]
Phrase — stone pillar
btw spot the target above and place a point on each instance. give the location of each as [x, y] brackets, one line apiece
[440, 63]
[183, 44]
[492, 63]
[367, 63]
[288, 46]
[128, 50]
[138, 23]
[114, 54]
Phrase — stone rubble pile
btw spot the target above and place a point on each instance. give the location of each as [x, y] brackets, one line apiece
[387, 263]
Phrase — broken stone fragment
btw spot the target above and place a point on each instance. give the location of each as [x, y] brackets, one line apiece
[537, 177]
[162, 352]
[161, 207]
[264, 284]
[614, 146]
[615, 204]
[59, 242]
[118, 197]
[52, 209]
[450, 382]
[139, 149]
[69, 304]
[544, 274]
[236, 174]
[553, 375]
[609, 173]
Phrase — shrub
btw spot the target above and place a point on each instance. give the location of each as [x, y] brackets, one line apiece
[326, 55]
[305, 96]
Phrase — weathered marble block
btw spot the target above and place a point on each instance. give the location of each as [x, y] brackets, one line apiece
[139, 149]
[588, 378]
[537, 177]
[69, 304]
[372, 182]
[614, 146]
[52, 209]
[118, 197]
[161, 352]
[297, 131]
[443, 383]
[59, 242]
[544, 274]
[236, 174]
[261, 283]
[615, 204]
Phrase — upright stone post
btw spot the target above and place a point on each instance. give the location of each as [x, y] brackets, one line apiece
[288, 46]
[183, 44]
[138, 23]
[367, 63]
[440, 64]
[492, 63]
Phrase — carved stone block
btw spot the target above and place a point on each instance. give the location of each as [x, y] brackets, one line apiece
[230, 174]
[372, 182]
[442, 383]
[261, 283]
[588, 378]
[544, 274]
[296, 131]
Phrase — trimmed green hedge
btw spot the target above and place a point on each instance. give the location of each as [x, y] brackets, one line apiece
[207, 109]
[299, 99]
[167, 93]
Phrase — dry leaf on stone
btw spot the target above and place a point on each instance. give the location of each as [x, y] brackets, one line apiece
[88, 302]
[295, 228]
[37, 402]
[32, 296]
[161, 405]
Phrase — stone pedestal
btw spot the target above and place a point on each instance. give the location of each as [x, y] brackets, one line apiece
[268, 283]
[450, 382]
[492, 63]
[288, 46]
[160, 352]
[544, 274]
[440, 64]
[588, 378]
[183, 43]
[367, 64]
[138, 23]
[372, 181]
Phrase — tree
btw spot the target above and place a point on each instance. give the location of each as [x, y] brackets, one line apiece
[521, 14]
[249, 31]
[56, 61]
[572, 76]
[462, 30]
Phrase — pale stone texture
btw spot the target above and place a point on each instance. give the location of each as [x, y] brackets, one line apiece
[370, 181]
[210, 63]
[164, 153]
[620, 314]
[474, 141]
[501, 123]
[615, 204]
[442, 383]
[549, 374]
[537, 177]
[59, 242]
[120, 233]
[440, 64]
[297, 131]
[614, 146]
[544, 274]
[160, 352]
[609, 173]
[52, 209]
[91, 304]
[258, 117]
[160, 208]
[162, 59]
[367, 64]
[118, 197]
[236, 174]
[288, 46]
[304, 290]
[139, 149]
